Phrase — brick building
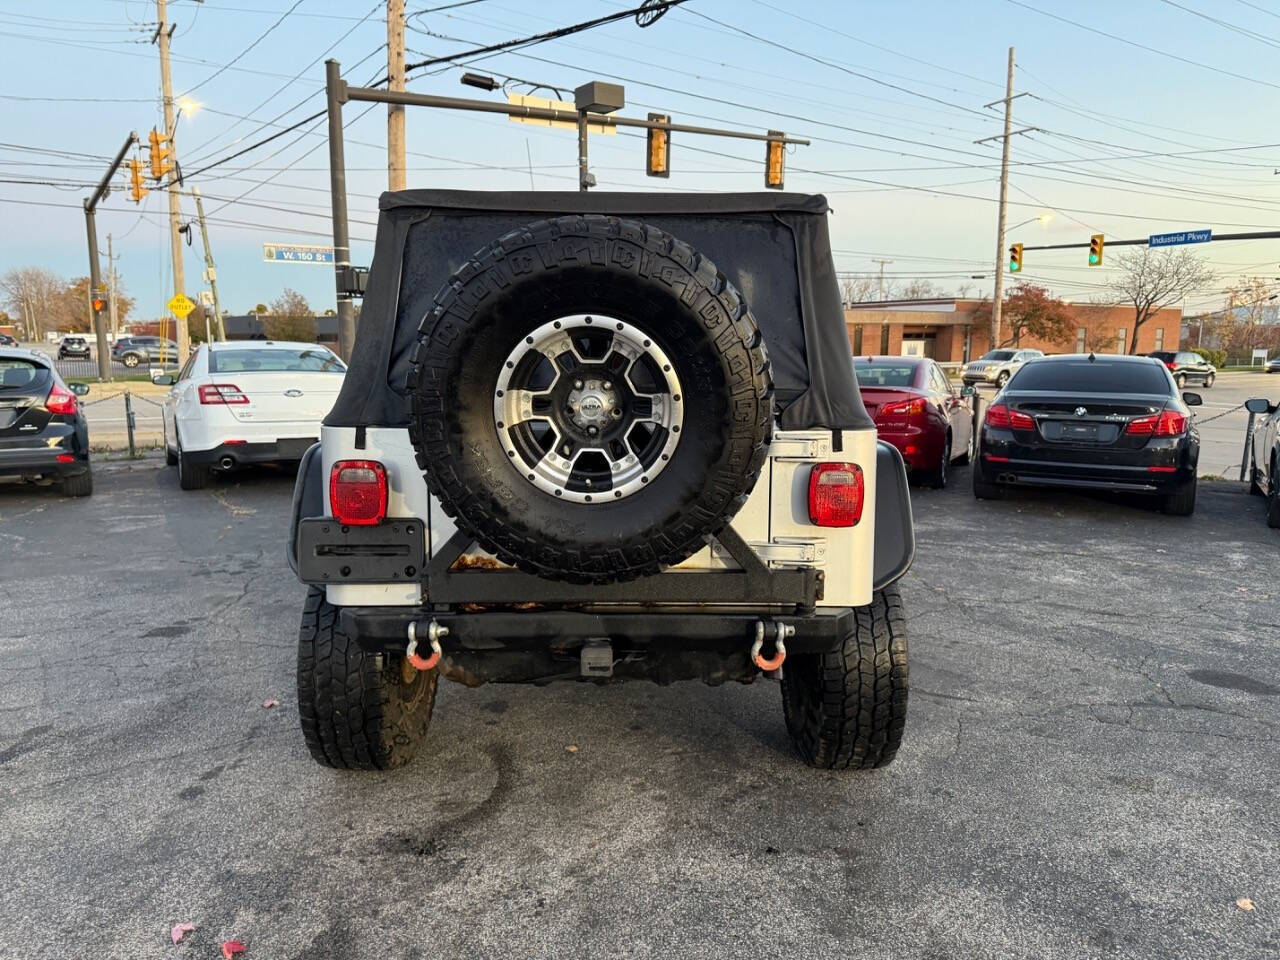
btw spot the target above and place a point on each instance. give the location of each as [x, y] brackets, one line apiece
[944, 329]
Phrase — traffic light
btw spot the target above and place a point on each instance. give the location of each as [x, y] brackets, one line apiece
[98, 304]
[1015, 258]
[159, 155]
[1095, 250]
[136, 190]
[658, 154]
[773, 161]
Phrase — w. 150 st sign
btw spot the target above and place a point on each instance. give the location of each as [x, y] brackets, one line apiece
[296, 253]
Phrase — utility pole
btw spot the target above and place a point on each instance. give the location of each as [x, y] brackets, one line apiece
[211, 272]
[335, 96]
[95, 275]
[997, 298]
[395, 111]
[882, 262]
[164, 33]
[111, 283]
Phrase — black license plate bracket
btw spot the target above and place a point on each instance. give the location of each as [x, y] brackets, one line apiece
[393, 551]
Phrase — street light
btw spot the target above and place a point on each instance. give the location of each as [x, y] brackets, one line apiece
[1042, 219]
[480, 80]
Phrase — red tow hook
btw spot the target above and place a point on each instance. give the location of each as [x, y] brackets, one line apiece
[781, 632]
[434, 633]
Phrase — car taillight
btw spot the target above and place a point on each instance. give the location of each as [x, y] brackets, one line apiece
[1169, 423]
[222, 393]
[998, 415]
[1171, 364]
[358, 492]
[835, 494]
[901, 408]
[61, 400]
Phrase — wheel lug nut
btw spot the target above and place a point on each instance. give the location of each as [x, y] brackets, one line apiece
[592, 431]
[577, 384]
[608, 385]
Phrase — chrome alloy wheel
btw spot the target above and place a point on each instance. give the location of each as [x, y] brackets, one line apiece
[589, 408]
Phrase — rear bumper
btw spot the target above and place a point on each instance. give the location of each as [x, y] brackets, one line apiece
[538, 646]
[28, 463]
[920, 448]
[1039, 473]
[242, 454]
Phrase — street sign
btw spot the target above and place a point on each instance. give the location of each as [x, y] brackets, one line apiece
[180, 305]
[206, 298]
[524, 100]
[1175, 239]
[296, 253]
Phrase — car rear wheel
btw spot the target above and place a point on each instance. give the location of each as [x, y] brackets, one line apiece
[131, 360]
[81, 485]
[358, 711]
[848, 708]
[1182, 502]
[191, 476]
[937, 477]
[1180, 380]
[1208, 381]
[1002, 379]
[983, 490]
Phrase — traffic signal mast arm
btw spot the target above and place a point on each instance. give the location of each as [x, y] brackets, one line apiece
[1146, 241]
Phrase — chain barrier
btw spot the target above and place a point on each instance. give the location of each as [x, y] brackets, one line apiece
[1217, 416]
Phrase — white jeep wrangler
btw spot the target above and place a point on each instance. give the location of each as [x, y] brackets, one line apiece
[601, 437]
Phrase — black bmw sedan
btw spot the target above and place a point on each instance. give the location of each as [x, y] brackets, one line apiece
[1096, 422]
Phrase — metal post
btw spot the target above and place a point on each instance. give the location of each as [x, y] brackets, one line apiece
[1247, 457]
[998, 296]
[395, 81]
[584, 181]
[128, 420]
[210, 269]
[336, 93]
[111, 284]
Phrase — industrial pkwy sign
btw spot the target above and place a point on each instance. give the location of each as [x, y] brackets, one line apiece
[296, 253]
[1175, 239]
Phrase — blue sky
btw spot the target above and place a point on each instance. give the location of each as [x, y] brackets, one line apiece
[1130, 141]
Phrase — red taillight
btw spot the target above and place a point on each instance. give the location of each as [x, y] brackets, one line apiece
[65, 458]
[901, 408]
[1169, 423]
[998, 415]
[358, 492]
[222, 393]
[1171, 364]
[61, 400]
[835, 494]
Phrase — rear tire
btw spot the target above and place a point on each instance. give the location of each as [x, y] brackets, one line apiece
[1273, 500]
[80, 485]
[191, 476]
[1002, 379]
[937, 477]
[982, 490]
[131, 360]
[848, 708]
[357, 711]
[1182, 502]
[1180, 380]
[1208, 381]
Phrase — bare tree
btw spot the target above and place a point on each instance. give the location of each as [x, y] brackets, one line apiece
[918, 290]
[33, 293]
[857, 290]
[1153, 280]
[290, 318]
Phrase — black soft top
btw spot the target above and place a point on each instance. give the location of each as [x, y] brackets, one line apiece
[774, 247]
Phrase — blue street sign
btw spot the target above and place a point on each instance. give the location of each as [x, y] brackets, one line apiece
[1174, 239]
[296, 253]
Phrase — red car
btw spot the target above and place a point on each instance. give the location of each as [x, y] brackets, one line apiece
[918, 410]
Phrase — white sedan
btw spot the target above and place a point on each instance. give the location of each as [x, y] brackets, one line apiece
[246, 402]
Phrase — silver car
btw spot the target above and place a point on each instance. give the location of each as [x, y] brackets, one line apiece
[996, 366]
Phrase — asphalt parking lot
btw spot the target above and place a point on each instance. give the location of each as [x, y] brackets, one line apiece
[1090, 768]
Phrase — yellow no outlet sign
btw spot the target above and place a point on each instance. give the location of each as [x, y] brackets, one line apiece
[181, 305]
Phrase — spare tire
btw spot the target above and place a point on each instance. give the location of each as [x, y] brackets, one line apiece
[591, 399]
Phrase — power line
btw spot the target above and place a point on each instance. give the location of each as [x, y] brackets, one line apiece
[1251, 34]
[236, 59]
[1143, 46]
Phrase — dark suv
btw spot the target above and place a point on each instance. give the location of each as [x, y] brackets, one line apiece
[73, 348]
[1187, 367]
[43, 434]
[132, 351]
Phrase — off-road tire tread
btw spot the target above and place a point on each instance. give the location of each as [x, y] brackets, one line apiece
[672, 540]
[354, 713]
[848, 708]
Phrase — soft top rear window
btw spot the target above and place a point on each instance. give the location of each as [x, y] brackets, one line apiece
[16, 373]
[998, 355]
[274, 360]
[1081, 376]
[884, 373]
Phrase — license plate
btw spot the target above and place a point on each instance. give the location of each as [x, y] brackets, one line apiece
[1080, 431]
